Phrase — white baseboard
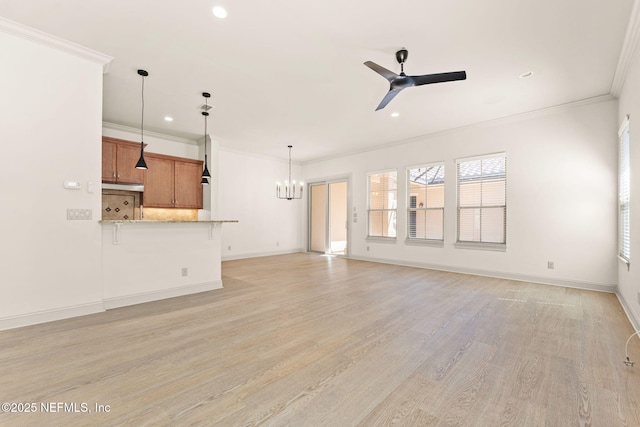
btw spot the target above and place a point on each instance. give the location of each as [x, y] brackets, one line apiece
[29, 319]
[21, 320]
[124, 301]
[499, 274]
[635, 322]
[261, 254]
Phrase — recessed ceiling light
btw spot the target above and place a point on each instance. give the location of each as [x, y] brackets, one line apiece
[525, 75]
[395, 114]
[219, 12]
[168, 119]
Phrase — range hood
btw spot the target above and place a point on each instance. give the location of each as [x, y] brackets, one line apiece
[126, 187]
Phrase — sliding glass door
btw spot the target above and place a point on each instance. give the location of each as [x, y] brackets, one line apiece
[318, 218]
[328, 216]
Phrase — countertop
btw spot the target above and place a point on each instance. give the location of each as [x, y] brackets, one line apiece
[143, 221]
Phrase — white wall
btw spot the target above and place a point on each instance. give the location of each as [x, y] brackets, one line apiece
[247, 193]
[561, 197]
[51, 109]
[629, 103]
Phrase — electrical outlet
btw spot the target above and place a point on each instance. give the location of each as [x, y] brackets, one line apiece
[79, 214]
[185, 271]
[367, 248]
[229, 247]
[551, 265]
[277, 243]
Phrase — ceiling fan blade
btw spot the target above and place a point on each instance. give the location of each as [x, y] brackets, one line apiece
[439, 78]
[387, 98]
[389, 75]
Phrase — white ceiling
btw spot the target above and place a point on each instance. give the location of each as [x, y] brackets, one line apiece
[291, 71]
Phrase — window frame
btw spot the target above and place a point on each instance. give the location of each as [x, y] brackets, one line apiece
[624, 193]
[423, 240]
[472, 244]
[394, 211]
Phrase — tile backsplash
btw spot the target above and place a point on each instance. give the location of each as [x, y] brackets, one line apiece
[120, 205]
[125, 205]
[157, 214]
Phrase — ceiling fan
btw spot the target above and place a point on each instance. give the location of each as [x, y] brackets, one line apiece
[401, 81]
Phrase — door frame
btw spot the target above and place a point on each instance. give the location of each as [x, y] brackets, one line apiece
[327, 182]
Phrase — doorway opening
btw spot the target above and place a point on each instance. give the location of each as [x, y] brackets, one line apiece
[328, 217]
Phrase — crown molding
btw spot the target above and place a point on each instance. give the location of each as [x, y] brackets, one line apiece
[628, 49]
[19, 30]
[478, 125]
[260, 156]
[123, 128]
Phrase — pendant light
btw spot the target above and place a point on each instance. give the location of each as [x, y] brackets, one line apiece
[141, 163]
[290, 189]
[205, 172]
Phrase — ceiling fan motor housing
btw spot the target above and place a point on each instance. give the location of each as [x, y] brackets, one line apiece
[402, 55]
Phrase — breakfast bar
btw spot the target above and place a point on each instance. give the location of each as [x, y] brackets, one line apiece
[145, 261]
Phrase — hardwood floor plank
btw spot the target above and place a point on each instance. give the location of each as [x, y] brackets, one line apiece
[403, 405]
[307, 340]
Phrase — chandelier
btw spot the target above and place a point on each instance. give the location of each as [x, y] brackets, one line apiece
[291, 190]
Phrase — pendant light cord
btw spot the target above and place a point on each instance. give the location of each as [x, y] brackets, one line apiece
[206, 117]
[206, 175]
[206, 103]
[141, 163]
[142, 120]
[206, 107]
[290, 166]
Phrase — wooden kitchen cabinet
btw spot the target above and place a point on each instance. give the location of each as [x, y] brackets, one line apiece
[119, 158]
[188, 184]
[172, 182]
[158, 184]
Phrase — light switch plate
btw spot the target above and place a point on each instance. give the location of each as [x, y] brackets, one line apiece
[73, 185]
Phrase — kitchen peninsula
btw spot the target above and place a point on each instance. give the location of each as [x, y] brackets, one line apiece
[145, 261]
[166, 248]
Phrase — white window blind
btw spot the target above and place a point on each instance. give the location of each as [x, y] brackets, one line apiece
[383, 204]
[624, 193]
[425, 210]
[482, 199]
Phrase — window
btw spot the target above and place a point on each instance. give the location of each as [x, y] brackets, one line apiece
[482, 200]
[624, 191]
[383, 192]
[425, 211]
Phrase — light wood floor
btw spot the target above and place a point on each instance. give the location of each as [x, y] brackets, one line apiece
[308, 340]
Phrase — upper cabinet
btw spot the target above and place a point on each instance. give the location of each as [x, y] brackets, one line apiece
[119, 158]
[188, 183]
[169, 182]
[158, 185]
[172, 182]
